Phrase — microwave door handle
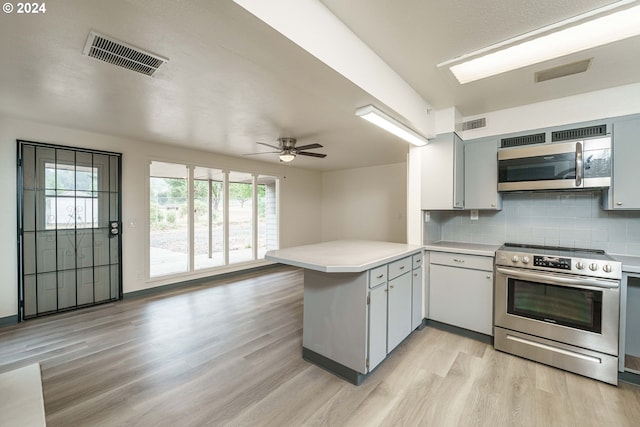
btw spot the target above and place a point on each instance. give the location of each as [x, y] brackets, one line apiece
[554, 279]
[579, 164]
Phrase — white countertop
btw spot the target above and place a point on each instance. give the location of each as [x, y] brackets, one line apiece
[463, 248]
[630, 264]
[342, 256]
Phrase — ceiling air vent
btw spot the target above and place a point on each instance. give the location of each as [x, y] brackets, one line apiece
[562, 71]
[474, 124]
[517, 141]
[122, 54]
[578, 133]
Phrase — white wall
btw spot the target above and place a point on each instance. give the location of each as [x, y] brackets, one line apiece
[601, 104]
[300, 203]
[365, 203]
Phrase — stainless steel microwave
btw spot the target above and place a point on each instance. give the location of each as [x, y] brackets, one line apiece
[556, 166]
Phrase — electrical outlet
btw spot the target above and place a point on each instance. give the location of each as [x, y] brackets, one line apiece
[474, 214]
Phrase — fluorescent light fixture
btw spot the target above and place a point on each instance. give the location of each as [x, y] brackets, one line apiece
[287, 157]
[589, 34]
[378, 118]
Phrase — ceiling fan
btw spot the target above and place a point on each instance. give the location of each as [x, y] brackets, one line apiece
[288, 151]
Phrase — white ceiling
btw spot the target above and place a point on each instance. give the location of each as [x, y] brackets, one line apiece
[231, 80]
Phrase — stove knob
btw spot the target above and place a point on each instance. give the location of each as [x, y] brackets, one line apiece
[607, 268]
[525, 260]
[593, 266]
[515, 258]
[580, 265]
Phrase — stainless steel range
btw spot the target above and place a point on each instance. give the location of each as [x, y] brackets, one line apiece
[559, 306]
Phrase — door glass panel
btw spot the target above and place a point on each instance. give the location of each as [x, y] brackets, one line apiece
[84, 248]
[102, 283]
[47, 292]
[572, 307]
[66, 249]
[208, 202]
[29, 210]
[85, 286]
[66, 289]
[267, 215]
[168, 219]
[240, 217]
[46, 246]
[29, 253]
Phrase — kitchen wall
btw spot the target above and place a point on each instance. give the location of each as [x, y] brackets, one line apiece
[300, 201]
[573, 219]
[365, 203]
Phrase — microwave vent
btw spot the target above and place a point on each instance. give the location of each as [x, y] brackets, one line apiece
[587, 132]
[517, 141]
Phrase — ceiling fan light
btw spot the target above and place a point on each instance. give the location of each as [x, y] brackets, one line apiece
[287, 157]
[388, 123]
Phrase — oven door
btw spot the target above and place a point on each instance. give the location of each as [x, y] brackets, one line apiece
[577, 310]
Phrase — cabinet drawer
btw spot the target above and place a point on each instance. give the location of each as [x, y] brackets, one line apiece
[475, 262]
[377, 276]
[417, 260]
[399, 267]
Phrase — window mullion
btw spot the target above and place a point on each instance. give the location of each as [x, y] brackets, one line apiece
[225, 227]
[191, 217]
[254, 216]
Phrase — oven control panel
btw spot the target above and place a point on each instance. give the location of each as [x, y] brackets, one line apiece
[552, 262]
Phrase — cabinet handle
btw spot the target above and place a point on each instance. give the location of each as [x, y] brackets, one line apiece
[402, 267]
[391, 286]
[380, 276]
[458, 260]
[488, 276]
[419, 260]
[619, 203]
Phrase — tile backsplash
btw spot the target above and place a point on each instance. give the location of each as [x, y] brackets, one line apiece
[571, 219]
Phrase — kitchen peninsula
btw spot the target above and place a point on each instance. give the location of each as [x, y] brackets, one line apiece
[361, 299]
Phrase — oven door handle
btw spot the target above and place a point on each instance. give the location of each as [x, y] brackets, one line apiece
[582, 282]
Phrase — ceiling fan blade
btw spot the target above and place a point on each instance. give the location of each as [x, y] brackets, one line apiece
[306, 153]
[269, 145]
[308, 147]
[264, 152]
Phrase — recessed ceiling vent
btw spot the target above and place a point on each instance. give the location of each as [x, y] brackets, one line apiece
[516, 141]
[578, 133]
[474, 124]
[562, 71]
[122, 54]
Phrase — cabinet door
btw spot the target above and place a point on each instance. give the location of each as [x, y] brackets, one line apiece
[416, 298]
[461, 297]
[481, 175]
[399, 310]
[377, 325]
[442, 173]
[626, 152]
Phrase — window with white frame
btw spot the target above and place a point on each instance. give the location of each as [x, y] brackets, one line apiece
[230, 218]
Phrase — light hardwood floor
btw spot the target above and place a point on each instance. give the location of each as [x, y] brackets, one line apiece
[229, 353]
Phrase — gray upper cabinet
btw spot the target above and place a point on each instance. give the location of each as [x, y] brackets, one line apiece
[481, 175]
[624, 193]
[443, 173]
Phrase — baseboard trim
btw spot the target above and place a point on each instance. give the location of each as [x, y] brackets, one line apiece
[9, 320]
[629, 377]
[487, 339]
[348, 374]
[194, 282]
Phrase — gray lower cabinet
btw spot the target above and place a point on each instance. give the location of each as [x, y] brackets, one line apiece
[461, 291]
[399, 310]
[377, 325]
[630, 323]
[351, 321]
